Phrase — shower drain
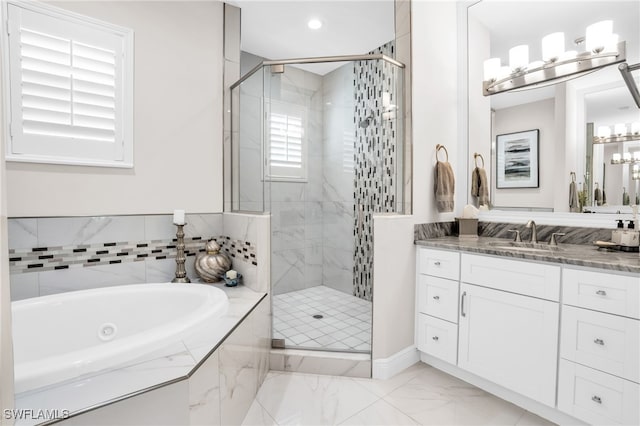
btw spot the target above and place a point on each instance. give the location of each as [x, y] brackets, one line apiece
[318, 316]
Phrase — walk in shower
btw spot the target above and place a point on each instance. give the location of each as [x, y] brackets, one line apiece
[318, 144]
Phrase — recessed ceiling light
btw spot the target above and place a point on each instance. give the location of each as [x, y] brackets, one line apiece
[314, 24]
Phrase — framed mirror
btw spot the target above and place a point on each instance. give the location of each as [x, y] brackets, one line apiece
[566, 114]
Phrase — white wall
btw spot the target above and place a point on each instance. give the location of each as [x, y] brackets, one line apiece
[536, 115]
[178, 122]
[434, 103]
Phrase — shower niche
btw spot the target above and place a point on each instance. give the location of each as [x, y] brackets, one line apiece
[321, 152]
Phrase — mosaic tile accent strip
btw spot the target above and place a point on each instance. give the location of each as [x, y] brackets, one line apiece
[40, 259]
[375, 155]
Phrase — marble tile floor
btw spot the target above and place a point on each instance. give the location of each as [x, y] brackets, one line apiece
[420, 395]
[345, 325]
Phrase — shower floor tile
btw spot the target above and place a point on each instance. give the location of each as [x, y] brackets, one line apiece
[346, 322]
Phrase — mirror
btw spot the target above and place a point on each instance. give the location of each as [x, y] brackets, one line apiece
[565, 114]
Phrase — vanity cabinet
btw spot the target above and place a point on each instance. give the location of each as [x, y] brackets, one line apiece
[510, 337]
[599, 350]
[559, 340]
[437, 303]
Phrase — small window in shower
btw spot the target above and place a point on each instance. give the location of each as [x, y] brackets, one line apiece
[287, 144]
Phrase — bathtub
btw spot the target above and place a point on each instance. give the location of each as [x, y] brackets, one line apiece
[63, 336]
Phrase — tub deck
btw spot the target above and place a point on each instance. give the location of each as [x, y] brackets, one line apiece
[170, 364]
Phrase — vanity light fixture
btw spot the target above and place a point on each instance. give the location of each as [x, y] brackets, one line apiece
[626, 158]
[603, 49]
[620, 133]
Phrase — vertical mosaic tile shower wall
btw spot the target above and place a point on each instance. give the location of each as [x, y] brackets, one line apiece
[375, 158]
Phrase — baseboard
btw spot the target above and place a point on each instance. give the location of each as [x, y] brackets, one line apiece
[386, 368]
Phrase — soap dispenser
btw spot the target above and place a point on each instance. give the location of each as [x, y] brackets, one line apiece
[616, 234]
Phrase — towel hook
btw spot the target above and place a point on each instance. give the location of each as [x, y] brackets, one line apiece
[573, 176]
[438, 148]
[475, 159]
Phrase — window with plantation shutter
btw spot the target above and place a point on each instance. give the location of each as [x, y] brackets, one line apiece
[71, 91]
[287, 150]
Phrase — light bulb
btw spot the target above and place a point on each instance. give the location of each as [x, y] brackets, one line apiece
[626, 157]
[504, 71]
[612, 44]
[518, 57]
[604, 131]
[636, 155]
[491, 69]
[535, 64]
[598, 35]
[615, 158]
[635, 127]
[314, 24]
[620, 129]
[552, 47]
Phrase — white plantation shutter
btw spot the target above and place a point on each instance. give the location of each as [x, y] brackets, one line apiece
[287, 148]
[71, 100]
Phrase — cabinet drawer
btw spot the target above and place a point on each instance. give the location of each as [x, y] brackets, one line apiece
[606, 292]
[439, 263]
[602, 341]
[438, 297]
[437, 337]
[526, 278]
[597, 397]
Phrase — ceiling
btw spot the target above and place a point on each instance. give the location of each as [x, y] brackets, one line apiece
[525, 22]
[278, 29]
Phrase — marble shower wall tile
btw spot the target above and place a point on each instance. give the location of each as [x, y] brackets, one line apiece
[238, 374]
[52, 282]
[204, 393]
[22, 233]
[24, 286]
[288, 270]
[67, 231]
[261, 324]
[251, 228]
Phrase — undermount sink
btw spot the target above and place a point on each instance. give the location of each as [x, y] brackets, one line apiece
[525, 247]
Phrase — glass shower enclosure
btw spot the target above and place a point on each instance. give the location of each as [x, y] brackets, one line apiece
[318, 144]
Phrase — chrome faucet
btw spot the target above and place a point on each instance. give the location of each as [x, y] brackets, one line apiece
[534, 232]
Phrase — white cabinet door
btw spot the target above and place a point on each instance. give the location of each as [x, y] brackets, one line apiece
[509, 339]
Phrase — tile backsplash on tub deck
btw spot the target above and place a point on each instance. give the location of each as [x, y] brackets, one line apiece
[53, 255]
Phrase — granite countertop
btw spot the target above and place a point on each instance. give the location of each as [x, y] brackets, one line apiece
[568, 254]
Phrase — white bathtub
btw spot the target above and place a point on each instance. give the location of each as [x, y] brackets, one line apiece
[60, 337]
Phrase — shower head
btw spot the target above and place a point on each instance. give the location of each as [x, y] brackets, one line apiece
[366, 122]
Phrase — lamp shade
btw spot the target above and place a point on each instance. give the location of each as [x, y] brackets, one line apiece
[604, 131]
[518, 57]
[616, 157]
[620, 129]
[599, 35]
[635, 127]
[491, 69]
[626, 157]
[552, 46]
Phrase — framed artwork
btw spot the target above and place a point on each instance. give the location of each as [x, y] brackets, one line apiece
[517, 159]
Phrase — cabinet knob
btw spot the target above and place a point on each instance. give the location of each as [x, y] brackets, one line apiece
[436, 297]
[435, 338]
[601, 293]
[597, 399]
[599, 342]
[436, 263]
